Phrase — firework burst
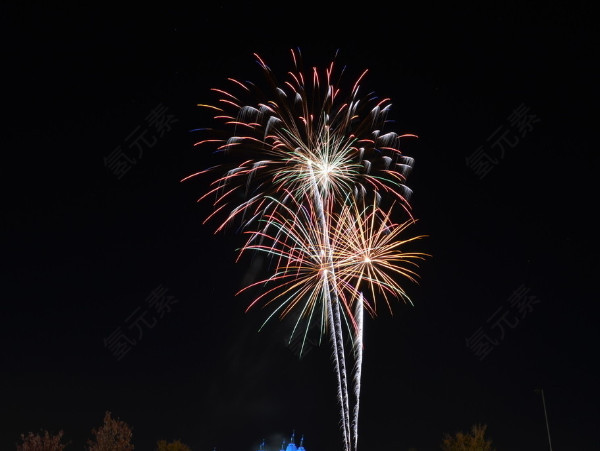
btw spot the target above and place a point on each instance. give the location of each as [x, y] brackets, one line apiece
[304, 132]
[312, 163]
[366, 252]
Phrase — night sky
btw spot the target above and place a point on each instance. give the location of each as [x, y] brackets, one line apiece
[513, 238]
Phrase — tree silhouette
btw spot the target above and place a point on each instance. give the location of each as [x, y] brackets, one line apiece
[113, 435]
[41, 442]
[162, 445]
[473, 441]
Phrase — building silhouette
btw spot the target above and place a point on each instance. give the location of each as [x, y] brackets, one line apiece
[290, 446]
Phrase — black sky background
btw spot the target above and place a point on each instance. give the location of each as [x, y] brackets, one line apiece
[82, 250]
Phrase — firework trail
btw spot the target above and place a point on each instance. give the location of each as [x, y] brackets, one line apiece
[358, 353]
[337, 339]
[307, 155]
[309, 263]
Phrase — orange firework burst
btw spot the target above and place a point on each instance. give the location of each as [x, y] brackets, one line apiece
[366, 254]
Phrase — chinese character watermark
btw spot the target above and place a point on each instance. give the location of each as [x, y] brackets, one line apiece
[143, 137]
[304, 338]
[300, 344]
[125, 337]
[518, 305]
[487, 156]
